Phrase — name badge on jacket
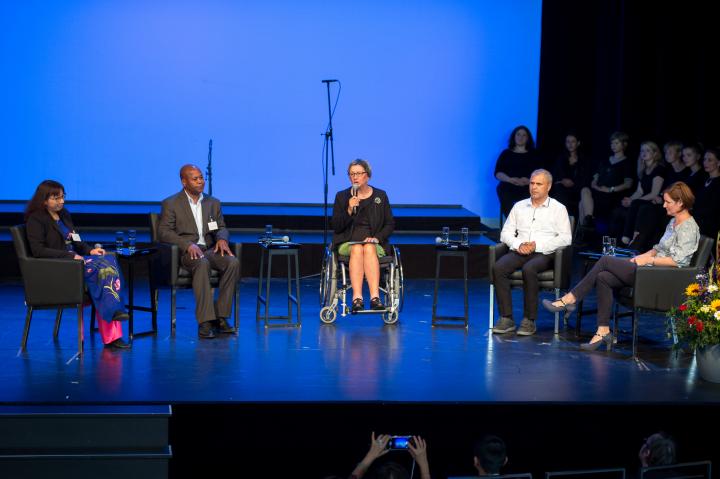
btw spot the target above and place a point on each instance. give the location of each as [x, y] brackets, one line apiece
[75, 236]
[212, 226]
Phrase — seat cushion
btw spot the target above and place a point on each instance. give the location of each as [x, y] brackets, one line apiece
[184, 273]
[548, 275]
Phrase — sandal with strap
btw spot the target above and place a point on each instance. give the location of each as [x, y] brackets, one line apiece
[357, 305]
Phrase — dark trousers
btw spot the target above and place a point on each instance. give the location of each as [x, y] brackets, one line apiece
[229, 268]
[608, 274]
[631, 221]
[531, 265]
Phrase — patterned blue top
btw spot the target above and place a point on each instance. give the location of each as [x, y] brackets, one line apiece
[679, 243]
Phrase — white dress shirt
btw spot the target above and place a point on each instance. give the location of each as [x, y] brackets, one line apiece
[548, 226]
[196, 209]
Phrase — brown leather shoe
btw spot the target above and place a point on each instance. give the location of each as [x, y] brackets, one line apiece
[223, 327]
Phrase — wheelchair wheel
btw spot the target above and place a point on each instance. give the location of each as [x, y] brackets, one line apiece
[391, 317]
[328, 315]
[399, 280]
[328, 278]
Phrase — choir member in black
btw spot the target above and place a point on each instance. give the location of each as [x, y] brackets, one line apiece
[692, 157]
[708, 197]
[571, 174]
[513, 168]
[612, 181]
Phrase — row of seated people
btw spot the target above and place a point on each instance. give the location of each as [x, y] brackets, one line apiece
[490, 456]
[539, 225]
[617, 190]
[362, 222]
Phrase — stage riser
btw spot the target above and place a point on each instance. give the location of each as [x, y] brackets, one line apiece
[84, 441]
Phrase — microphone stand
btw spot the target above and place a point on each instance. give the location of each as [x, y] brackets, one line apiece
[328, 151]
[208, 171]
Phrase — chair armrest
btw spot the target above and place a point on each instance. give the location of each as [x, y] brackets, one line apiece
[562, 267]
[166, 263]
[495, 252]
[50, 281]
[660, 288]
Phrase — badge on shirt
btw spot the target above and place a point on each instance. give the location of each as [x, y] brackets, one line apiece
[75, 236]
[212, 225]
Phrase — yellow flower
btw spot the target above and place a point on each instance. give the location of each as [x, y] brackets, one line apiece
[715, 304]
[692, 289]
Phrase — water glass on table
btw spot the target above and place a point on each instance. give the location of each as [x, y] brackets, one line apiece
[609, 245]
[132, 237]
[445, 235]
[464, 236]
[119, 241]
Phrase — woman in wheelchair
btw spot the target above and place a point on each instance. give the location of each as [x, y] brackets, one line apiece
[362, 221]
[51, 234]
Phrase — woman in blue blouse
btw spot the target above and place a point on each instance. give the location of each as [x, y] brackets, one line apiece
[51, 234]
[676, 248]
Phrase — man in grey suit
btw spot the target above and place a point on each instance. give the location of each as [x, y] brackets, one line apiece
[195, 223]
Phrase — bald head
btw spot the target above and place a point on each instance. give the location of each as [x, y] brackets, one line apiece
[192, 180]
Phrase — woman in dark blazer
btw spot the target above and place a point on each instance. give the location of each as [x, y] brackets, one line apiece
[51, 234]
[363, 222]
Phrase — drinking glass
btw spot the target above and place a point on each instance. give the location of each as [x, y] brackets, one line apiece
[464, 236]
[446, 235]
[119, 241]
[132, 237]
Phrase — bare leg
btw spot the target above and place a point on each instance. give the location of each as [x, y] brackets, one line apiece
[356, 270]
[372, 269]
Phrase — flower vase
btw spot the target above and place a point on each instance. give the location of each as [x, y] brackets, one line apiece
[708, 363]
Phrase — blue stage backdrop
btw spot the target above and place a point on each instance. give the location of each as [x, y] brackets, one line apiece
[111, 97]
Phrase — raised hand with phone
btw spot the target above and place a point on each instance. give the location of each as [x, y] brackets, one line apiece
[384, 443]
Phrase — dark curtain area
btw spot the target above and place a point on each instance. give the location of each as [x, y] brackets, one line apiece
[646, 68]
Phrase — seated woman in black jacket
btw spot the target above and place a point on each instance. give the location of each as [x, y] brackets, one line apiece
[363, 222]
[51, 234]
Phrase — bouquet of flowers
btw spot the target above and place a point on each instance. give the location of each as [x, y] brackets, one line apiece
[696, 322]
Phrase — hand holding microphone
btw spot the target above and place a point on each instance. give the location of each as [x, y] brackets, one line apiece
[354, 200]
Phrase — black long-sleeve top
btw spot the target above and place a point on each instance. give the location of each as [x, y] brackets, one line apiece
[379, 216]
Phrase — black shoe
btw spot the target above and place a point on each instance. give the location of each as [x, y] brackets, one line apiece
[357, 305]
[568, 307]
[376, 304]
[120, 316]
[607, 340]
[223, 327]
[205, 330]
[118, 344]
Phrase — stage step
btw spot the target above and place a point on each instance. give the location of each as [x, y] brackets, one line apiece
[84, 441]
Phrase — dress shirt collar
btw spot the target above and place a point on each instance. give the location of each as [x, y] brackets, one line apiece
[192, 203]
[544, 204]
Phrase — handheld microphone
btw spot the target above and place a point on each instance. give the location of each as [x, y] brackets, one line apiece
[329, 81]
[277, 239]
[353, 192]
[439, 240]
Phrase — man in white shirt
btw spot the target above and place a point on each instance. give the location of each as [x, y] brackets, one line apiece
[534, 230]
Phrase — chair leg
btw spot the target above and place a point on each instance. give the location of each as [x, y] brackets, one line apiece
[92, 317]
[173, 300]
[492, 308]
[557, 313]
[635, 333]
[237, 305]
[58, 318]
[26, 331]
[80, 329]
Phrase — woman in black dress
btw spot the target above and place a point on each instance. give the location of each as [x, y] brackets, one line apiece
[362, 221]
[513, 168]
[570, 175]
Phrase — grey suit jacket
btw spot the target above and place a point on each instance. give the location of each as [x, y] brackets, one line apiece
[177, 224]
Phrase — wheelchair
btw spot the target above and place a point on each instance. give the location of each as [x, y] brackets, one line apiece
[335, 283]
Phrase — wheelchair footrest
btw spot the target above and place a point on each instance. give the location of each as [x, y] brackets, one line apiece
[372, 311]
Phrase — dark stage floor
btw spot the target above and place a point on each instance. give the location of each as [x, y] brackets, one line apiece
[355, 359]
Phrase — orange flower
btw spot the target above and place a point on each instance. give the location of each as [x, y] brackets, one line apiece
[715, 304]
[692, 289]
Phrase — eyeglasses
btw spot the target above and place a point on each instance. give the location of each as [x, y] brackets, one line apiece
[353, 174]
[57, 197]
